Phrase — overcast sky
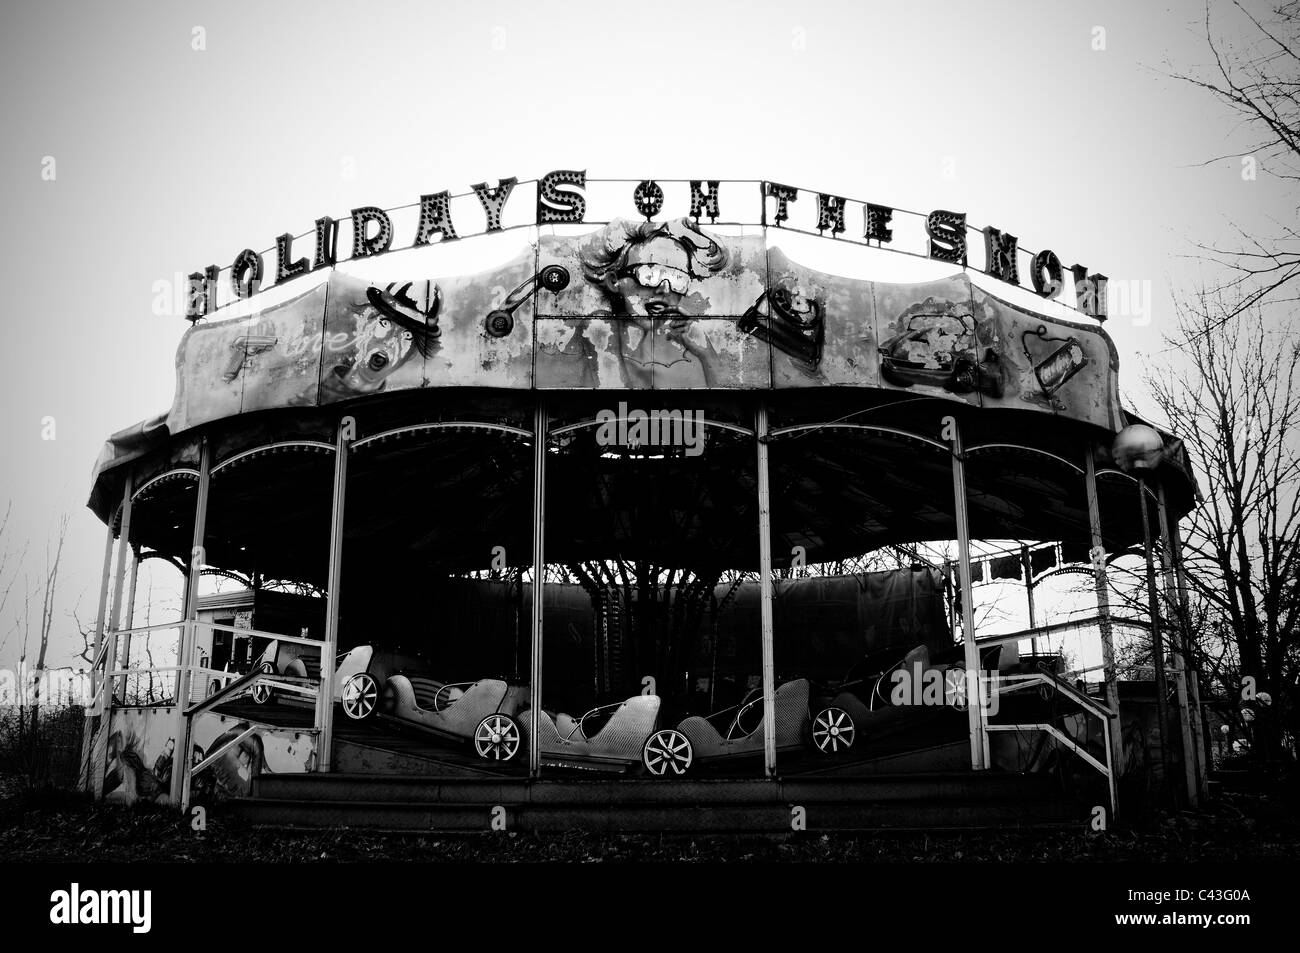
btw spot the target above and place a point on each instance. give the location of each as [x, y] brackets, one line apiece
[168, 157]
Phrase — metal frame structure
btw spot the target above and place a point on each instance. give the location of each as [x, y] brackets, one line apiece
[109, 636]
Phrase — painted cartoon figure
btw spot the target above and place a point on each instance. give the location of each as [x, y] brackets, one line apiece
[232, 774]
[392, 331]
[127, 780]
[939, 344]
[647, 271]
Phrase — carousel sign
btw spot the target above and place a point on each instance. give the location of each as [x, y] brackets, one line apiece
[562, 198]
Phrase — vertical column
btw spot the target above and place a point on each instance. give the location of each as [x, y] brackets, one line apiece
[110, 650]
[119, 585]
[1191, 760]
[347, 432]
[765, 591]
[130, 609]
[1098, 554]
[184, 658]
[1200, 737]
[1157, 639]
[1028, 569]
[86, 781]
[974, 692]
[539, 567]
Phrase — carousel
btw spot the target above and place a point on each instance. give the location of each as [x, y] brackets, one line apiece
[649, 509]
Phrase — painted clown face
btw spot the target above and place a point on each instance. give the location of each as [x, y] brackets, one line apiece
[381, 348]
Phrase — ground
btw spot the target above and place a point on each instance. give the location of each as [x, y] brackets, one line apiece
[56, 826]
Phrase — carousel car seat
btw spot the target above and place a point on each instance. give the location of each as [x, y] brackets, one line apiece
[619, 739]
[744, 733]
[433, 695]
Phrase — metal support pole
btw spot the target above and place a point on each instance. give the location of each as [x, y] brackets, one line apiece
[86, 782]
[1198, 715]
[1157, 639]
[539, 571]
[1027, 566]
[1098, 554]
[329, 648]
[185, 657]
[765, 592]
[974, 694]
[130, 612]
[119, 585]
[110, 651]
[1191, 756]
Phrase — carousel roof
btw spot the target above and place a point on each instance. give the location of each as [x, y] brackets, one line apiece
[442, 378]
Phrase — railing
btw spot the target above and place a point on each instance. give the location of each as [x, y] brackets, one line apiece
[1006, 684]
[207, 686]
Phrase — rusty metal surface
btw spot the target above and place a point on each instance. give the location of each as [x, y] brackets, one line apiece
[646, 306]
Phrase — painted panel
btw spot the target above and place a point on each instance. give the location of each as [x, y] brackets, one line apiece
[282, 354]
[646, 305]
[377, 339]
[141, 746]
[822, 328]
[1054, 366]
[650, 305]
[931, 342]
[477, 346]
[209, 382]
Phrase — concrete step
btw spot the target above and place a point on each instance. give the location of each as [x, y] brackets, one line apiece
[658, 817]
[965, 786]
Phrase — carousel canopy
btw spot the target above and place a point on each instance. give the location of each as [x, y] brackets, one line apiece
[442, 377]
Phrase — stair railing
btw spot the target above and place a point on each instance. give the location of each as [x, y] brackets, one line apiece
[320, 688]
[1005, 684]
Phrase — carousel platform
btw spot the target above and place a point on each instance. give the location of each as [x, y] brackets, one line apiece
[949, 801]
[388, 776]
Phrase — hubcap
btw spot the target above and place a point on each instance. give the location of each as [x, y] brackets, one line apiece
[496, 738]
[359, 696]
[833, 731]
[668, 750]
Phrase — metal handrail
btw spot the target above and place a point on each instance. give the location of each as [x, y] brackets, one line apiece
[1042, 631]
[258, 633]
[143, 629]
[235, 687]
[1086, 701]
[212, 758]
[1089, 705]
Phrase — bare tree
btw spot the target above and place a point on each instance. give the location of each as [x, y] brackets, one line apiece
[1235, 400]
[11, 563]
[1256, 75]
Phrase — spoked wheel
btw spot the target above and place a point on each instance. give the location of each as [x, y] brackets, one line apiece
[360, 696]
[497, 738]
[954, 688]
[261, 692]
[833, 731]
[667, 751]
